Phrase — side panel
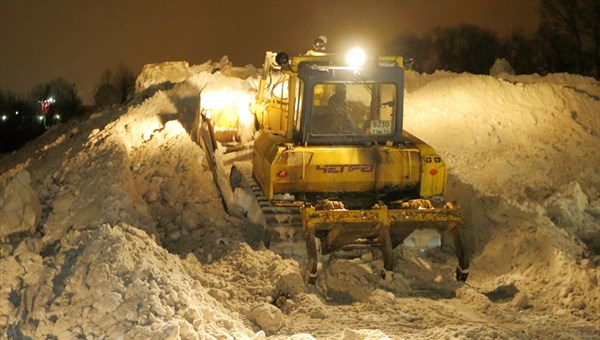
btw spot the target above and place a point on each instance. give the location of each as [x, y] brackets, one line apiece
[276, 114]
[433, 171]
[266, 149]
[399, 169]
[270, 115]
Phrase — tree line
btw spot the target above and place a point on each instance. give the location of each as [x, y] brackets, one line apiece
[23, 118]
[566, 40]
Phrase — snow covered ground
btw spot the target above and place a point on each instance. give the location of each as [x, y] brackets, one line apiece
[112, 227]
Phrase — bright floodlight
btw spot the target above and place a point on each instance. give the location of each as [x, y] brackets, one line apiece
[356, 57]
[4, 117]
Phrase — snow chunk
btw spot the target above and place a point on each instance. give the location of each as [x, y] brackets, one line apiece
[267, 317]
[570, 209]
[501, 66]
[20, 207]
[364, 334]
[348, 280]
[154, 74]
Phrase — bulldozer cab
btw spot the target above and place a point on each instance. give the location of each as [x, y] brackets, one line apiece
[343, 105]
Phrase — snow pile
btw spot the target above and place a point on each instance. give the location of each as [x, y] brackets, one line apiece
[523, 158]
[108, 282]
[135, 166]
[511, 139]
[113, 226]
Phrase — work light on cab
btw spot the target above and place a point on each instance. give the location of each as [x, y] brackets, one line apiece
[356, 57]
[282, 58]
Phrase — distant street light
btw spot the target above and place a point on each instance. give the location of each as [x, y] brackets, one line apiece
[4, 118]
[42, 120]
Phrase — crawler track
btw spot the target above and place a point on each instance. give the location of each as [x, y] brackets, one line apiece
[282, 223]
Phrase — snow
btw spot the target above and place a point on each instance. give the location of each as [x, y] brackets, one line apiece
[501, 66]
[112, 226]
[20, 206]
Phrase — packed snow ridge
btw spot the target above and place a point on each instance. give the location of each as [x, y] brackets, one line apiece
[111, 226]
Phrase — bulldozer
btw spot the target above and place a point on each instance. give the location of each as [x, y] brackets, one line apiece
[332, 167]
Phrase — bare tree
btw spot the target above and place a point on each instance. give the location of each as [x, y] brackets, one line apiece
[569, 36]
[464, 48]
[415, 48]
[115, 88]
[519, 50]
[106, 95]
[125, 82]
[106, 77]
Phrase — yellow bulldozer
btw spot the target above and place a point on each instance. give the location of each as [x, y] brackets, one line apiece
[332, 167]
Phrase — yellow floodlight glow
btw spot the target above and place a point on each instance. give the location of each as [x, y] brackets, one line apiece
[228, 107]
[356, 57]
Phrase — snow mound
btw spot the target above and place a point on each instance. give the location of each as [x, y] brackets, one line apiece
[521, 141]
[110, 282]
[113, 227]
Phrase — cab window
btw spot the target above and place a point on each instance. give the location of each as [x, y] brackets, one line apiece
[353, 109]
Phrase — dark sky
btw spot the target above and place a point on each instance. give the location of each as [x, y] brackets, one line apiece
[78, 40]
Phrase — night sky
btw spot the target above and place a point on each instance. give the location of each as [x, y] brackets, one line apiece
[78, 40]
